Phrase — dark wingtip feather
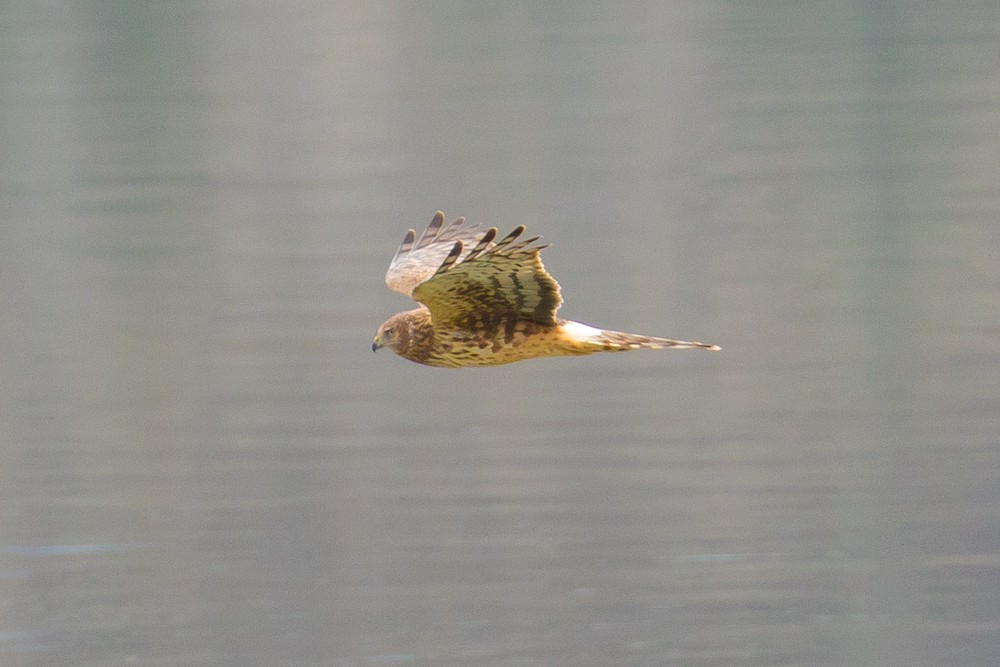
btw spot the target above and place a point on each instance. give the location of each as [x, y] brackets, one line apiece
[405, 246]
[510, 237]
[432, 230]
[452, 257]
[522, 246]
[484, 242]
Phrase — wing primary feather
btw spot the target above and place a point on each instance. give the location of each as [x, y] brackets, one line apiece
[484, 242]
[405, 246]
[452, 257]
[432, 230]
[452, 227]
[510, 237]
[521, 245]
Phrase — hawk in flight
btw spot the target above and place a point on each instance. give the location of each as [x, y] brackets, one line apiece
[486, 302]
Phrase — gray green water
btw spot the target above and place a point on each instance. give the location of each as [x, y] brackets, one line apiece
[203, 462]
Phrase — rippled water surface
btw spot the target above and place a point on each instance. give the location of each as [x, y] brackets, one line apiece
[203, 462]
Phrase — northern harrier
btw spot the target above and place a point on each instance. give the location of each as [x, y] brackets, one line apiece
[485, 303]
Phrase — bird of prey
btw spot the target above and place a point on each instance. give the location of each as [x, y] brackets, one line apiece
[485, 302]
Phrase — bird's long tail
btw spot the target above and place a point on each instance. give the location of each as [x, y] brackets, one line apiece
[625, 341]
[611, 341]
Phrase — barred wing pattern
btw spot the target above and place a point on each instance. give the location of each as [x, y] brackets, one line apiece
[417, 260]
[489, 286]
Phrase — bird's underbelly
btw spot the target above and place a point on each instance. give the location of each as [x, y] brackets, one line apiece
[504, 345]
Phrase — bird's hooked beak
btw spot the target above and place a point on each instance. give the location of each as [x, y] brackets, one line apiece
[376, 344]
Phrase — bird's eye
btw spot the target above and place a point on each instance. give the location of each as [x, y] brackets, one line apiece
[388, 332]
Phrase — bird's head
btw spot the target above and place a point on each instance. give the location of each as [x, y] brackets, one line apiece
[398, 332]
[388, 334]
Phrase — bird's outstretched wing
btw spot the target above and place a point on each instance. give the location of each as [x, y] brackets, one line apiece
[416, 260]
[469, 281]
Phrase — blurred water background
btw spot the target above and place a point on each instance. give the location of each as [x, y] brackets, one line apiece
[204, 464]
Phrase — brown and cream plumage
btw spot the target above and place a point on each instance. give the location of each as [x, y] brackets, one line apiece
[486, 302]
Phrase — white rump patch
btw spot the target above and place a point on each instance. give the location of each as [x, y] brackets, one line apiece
[582, 332]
